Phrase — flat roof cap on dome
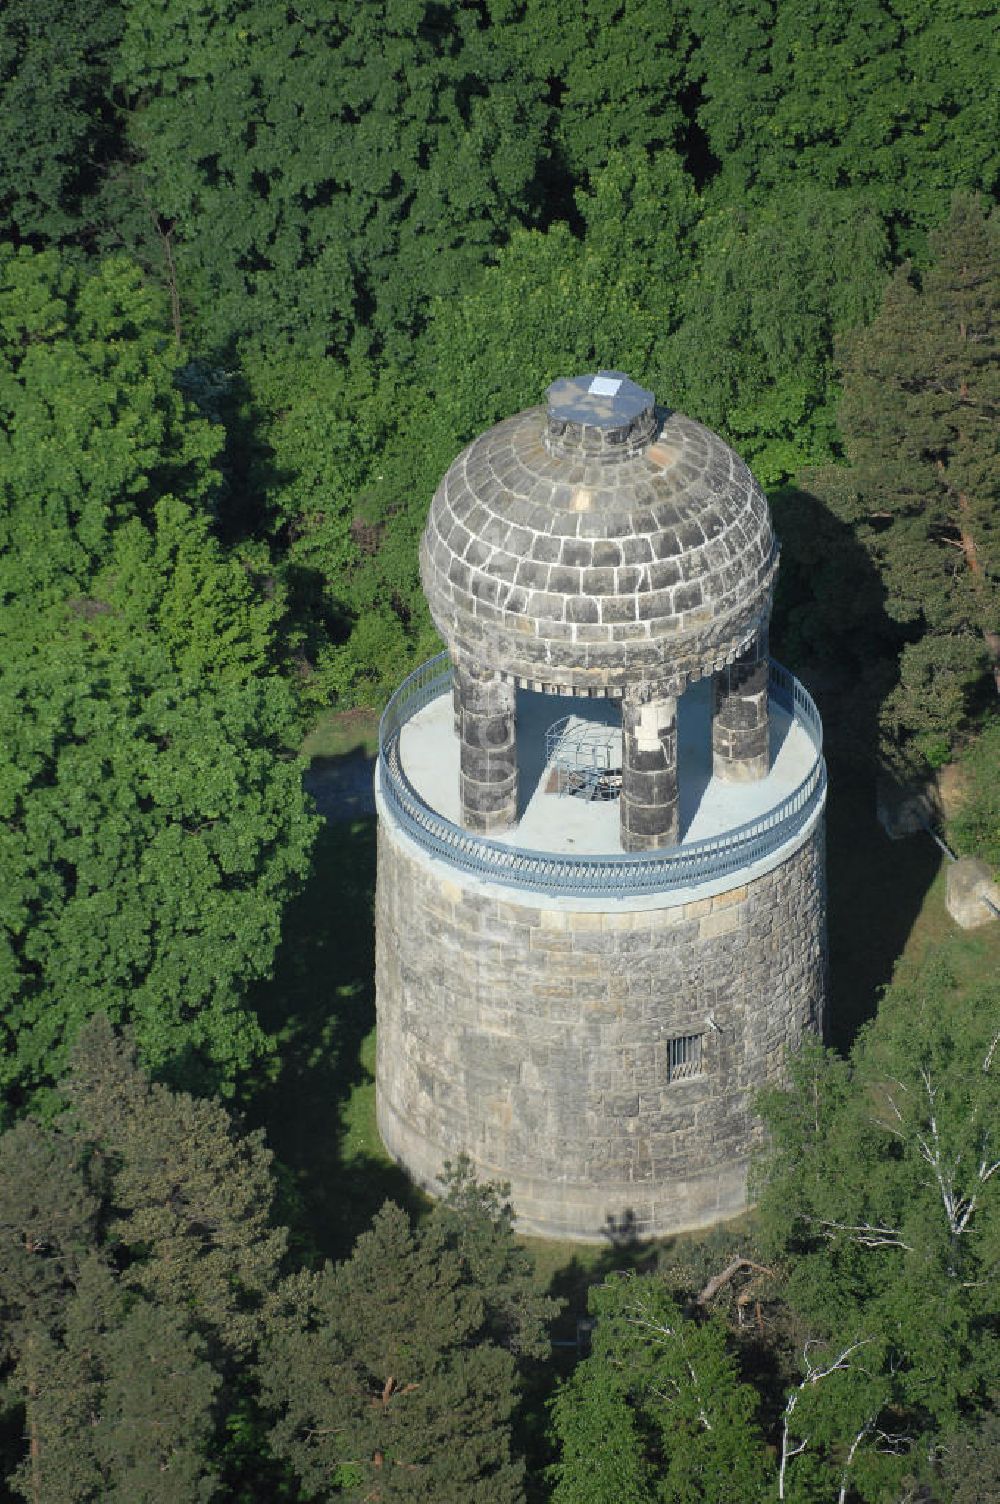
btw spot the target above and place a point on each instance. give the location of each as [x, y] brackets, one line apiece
[610, 398]
[599, 415]
[598, 544]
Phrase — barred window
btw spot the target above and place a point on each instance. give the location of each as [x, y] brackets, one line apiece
[684, 1057]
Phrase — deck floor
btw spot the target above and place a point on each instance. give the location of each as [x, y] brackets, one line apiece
[566, 823]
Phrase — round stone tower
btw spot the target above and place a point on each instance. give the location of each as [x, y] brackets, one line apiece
[600, 914]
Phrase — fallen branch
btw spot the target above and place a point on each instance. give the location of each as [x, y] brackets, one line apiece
[718, 1281]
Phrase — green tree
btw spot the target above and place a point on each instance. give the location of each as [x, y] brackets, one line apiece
[332, 440]
[118, 1405]
[616, 70]
[970, 1465]
[93, 429]
[153, 820]
[324, 173]
[889, 97]
[919, 417]
[476, 1220]
[153, 829]
[216, 618]
[136, 1255]
[382, 1381]
[58, 124]
[602, 1456]
[882, 1191]
[754, 354]
[187, 1195]
[50, 1204]
[554, 301]
[667, 1383]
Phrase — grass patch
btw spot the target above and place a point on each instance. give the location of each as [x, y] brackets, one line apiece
[974, 955]
[339, 733]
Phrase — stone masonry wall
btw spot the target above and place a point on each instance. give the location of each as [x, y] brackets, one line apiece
[537, 1039]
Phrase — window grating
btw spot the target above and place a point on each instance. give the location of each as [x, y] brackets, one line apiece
[684, 1057]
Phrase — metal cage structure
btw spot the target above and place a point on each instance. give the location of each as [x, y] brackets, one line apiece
[583, 758]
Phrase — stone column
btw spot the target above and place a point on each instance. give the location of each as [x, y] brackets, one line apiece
[649, 773]
[488, 735]
[740, 730]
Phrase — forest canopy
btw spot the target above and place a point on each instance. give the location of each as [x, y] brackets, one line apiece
[373, 232]
[264, 270]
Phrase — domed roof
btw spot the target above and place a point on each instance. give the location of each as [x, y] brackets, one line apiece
[597, 544]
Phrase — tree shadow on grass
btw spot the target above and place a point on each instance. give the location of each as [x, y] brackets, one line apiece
[832, 628]
[876, 889]
[319, 1006]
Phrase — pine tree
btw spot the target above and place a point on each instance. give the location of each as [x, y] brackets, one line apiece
[477, 1221]
[382, 1383]
[919, 418]
[188, 1196]
[50, 1212]
[135, 1258]
[118, 1403]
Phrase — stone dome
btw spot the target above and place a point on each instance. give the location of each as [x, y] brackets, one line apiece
[597, 544]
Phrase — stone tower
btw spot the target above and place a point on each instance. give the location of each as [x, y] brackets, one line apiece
[600, 913]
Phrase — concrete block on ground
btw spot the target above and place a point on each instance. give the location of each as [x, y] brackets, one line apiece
[969, 893]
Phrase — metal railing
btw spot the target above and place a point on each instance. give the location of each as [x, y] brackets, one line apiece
[618, 874]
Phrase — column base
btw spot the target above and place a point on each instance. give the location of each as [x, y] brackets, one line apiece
[741, 737]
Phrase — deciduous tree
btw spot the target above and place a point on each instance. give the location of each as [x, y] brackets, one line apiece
[153, 822]
[153, 829]
[667, 1383]
[883, 1190]
[616, 71]
[324, 173]
[58, 124]
[753, 356]
[93, 429]
[890, 97]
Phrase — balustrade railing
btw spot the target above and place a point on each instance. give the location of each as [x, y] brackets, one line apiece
[618, 874]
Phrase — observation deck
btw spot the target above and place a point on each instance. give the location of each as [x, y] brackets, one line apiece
[569, 847]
